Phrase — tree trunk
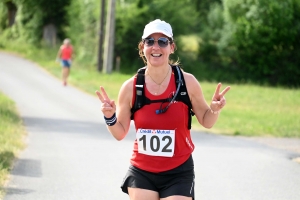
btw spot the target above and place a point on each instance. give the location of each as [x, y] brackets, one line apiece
[109, 38]
[12, 11]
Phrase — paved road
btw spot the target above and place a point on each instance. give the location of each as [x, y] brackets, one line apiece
[70, 154]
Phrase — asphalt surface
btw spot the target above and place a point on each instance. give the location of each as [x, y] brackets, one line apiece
[70, 154]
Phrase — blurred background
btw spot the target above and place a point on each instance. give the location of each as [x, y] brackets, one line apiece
[231, 40]
[251, 45]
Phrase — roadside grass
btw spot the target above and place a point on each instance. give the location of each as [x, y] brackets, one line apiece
[11, 138]
[251, 110]
[259, 111]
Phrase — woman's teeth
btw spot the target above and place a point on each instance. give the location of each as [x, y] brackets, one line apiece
[156, 55]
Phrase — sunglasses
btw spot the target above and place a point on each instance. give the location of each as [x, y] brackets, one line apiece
[162, 42]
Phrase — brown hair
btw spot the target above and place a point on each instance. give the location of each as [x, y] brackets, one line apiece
[141, 53]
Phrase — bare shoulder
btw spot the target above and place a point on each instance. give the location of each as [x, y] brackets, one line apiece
[190, 81]
[127, 85]
[194, 89]
[195, 92]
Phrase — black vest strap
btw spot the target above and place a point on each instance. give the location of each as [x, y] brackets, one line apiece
[141, 99]
[184, 97]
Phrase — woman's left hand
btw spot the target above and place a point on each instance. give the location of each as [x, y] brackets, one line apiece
[218, 99]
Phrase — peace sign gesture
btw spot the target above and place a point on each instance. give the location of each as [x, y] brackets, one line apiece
[218, 99]
[108, 107]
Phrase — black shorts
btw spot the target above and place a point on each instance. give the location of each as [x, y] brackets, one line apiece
[178, 181]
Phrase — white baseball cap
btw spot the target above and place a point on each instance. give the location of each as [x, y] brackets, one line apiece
[158, 26]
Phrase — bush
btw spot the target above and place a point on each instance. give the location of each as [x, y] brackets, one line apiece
[83, 28]
[32, 16]
[259, 42]
[266, 40]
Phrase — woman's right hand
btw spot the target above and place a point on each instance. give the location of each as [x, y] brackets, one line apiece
[108, 107]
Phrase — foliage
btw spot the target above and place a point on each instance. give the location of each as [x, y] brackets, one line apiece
[203, 8]
[83, 28]
[209, 57]
[266, 31]
[32, 16]
[132, 18]
[239, 40]
[259, 42]
[3, 14]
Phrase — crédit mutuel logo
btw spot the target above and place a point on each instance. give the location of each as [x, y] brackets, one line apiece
[154, 131]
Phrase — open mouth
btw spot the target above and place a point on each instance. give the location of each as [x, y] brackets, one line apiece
[156, 55]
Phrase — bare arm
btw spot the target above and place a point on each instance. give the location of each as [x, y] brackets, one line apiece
[123, 113]
[206, 115]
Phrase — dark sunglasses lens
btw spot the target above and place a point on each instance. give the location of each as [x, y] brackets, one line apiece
[149, 41]
[163, 42]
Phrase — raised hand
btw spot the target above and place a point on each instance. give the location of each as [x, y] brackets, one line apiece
[218, 99]
[108, 107]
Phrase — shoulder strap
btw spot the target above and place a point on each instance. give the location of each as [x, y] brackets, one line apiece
[183, 95]
[141, 100]
[139, 89]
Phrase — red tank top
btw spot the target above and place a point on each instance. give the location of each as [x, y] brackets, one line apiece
[175, 118]
[66, 52]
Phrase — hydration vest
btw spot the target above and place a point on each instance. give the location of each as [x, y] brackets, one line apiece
[181, 93]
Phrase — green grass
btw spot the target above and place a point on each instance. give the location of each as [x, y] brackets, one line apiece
[11, 138]
[259, 111]
[250, 111]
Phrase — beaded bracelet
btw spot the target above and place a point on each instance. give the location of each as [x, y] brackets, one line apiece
[215, 112]
[111, 121]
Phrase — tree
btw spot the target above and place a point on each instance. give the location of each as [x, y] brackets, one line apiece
[258, 42]
[266, 39]
[131, 19]
[33, 15]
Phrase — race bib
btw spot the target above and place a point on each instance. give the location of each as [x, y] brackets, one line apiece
[156, 142]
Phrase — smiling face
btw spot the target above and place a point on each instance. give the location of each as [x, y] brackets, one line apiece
[156, 55]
